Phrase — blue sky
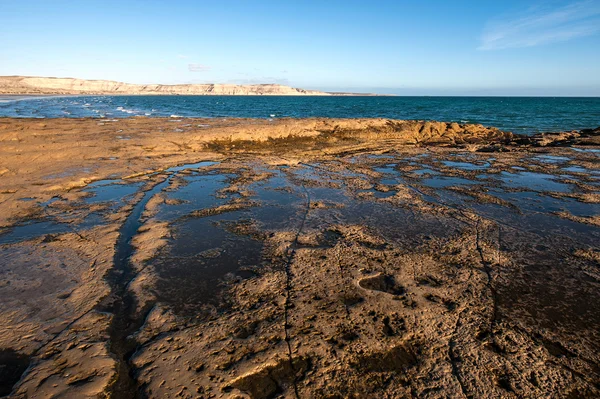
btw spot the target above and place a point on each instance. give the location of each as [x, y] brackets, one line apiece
[436, 47]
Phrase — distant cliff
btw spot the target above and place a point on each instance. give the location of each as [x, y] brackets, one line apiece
[39, 85]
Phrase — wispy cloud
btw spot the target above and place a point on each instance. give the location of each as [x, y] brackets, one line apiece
[198, 68]
[542, 25]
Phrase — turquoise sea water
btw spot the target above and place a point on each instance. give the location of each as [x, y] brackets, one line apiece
[516, 114]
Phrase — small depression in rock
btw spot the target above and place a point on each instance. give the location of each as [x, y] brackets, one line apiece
[383, 283]
[12, 367]
[67, 173]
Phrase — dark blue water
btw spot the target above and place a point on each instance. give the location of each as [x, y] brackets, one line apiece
[516, 114]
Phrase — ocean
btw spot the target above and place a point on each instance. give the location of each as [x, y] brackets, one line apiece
[527, 115]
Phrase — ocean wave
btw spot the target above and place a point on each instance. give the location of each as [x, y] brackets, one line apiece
[127, 111]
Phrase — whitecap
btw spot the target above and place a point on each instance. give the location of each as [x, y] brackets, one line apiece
[127, 111]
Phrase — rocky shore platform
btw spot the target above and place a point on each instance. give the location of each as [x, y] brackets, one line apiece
[297, 258]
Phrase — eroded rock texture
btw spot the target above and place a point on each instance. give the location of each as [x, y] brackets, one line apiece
[298, 259]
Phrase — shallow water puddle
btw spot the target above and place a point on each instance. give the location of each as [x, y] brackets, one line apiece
[111, 191]
[386, 169]
[383, 194]
[425, 171]
[533, 181]
[466, 165]
[591, 173]
[588, 150]
[530, 201]
[552, 158]
[541, 224]
[207, 249]
[445, 181]
[34, 229]
[199, 191]
[202, 254]
[108, 190]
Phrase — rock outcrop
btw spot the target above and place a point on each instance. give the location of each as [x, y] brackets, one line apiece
[59, 86]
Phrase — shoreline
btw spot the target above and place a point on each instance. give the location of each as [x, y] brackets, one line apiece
[54, 85]
[20, 97]
[107, 94]
[159, 119]
[519, 115]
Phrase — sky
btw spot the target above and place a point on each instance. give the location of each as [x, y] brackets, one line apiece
[435, 47]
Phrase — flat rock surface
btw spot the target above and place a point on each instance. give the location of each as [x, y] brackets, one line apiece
[297, 258]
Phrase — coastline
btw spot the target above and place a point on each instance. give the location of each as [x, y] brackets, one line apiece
[25, 96]
[60, 86]
[518, 115]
